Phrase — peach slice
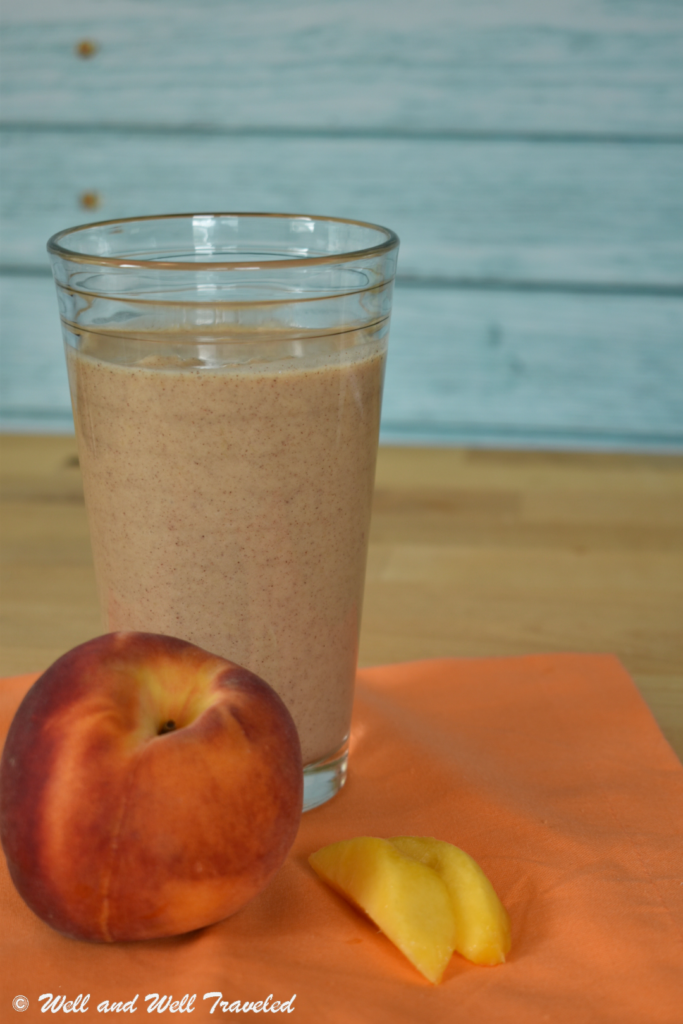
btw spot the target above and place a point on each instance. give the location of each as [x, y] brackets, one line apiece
[482, 925]
[405, 898]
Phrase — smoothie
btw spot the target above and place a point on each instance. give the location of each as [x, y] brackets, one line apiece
[230, 506]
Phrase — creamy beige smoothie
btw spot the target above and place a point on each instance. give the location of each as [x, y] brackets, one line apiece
[230, 507]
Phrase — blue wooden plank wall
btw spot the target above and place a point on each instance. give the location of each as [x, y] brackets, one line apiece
[529, 154]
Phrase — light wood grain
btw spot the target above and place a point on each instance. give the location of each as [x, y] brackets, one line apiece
[472, 554]
[540, 65]
[464, 367]
[563, 371]
[529, 155]
[581, 215]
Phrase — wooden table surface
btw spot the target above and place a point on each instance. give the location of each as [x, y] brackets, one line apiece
[472, 553]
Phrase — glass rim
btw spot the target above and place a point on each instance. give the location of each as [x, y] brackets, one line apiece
[55, 248]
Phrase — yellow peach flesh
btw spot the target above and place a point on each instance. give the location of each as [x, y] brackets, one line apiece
[482, 924]
[406, 899]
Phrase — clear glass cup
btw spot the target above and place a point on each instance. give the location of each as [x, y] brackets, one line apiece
[226, 375]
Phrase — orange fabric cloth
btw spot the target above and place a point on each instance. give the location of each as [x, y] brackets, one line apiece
[548, 769]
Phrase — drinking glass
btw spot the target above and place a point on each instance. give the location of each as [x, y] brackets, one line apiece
[226, 376]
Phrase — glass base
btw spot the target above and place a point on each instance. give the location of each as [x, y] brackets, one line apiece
[324, 778]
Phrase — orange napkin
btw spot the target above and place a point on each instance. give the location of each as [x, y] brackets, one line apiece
[549, 770]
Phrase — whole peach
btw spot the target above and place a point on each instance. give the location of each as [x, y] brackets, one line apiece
[147, 788]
